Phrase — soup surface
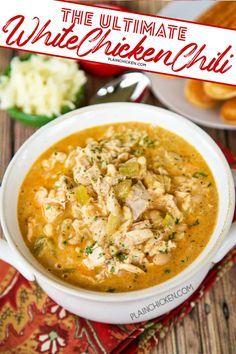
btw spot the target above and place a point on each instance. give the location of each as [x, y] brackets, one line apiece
[118, 207]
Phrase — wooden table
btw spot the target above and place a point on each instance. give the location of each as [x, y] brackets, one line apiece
[210, 328]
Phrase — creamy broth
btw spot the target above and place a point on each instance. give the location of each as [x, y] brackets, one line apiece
[125, 210]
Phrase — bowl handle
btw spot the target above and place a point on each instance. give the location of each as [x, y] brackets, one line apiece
[9, 256]
[230, 240]
[234, 175]
[228, 243]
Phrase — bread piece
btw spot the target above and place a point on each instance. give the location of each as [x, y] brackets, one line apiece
[205, 95]
[196, 95]
[219, 91]
[228, 111]
[222, 14]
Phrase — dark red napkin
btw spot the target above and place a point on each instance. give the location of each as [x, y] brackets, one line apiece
[31, 322]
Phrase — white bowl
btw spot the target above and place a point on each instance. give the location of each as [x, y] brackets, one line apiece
[138, 305]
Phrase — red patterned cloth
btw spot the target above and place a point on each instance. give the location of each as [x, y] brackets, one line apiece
[30, 322]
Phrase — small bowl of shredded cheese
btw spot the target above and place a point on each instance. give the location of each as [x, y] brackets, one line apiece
[36, 89]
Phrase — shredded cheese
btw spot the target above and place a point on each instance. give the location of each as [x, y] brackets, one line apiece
[41, 85]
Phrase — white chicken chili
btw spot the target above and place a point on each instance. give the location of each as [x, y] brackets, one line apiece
[118, 207]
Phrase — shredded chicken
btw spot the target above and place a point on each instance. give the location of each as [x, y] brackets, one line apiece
[138, 199]
[119, 209]
[95, 258]
[49, 164]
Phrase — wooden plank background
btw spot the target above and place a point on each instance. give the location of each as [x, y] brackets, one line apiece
[210, 328]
